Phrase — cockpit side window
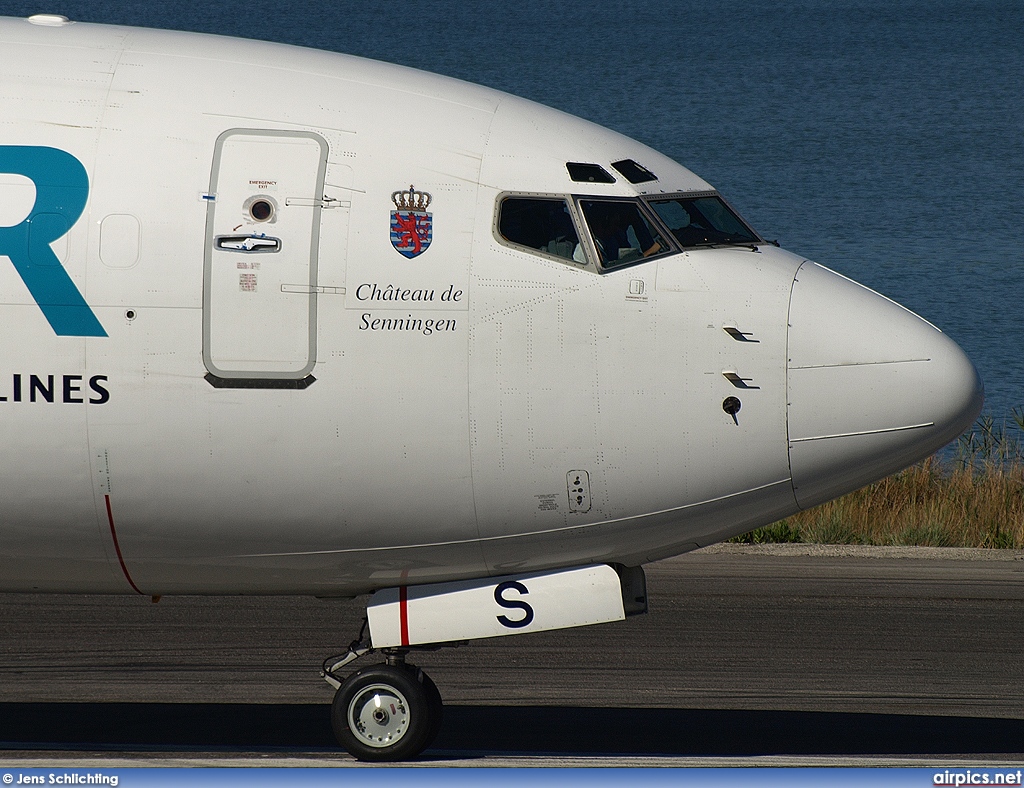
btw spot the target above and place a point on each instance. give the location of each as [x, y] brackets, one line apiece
[703, 221]
[541, 224]
[622, 233]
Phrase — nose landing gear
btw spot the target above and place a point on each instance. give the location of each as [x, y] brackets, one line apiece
[386, 712]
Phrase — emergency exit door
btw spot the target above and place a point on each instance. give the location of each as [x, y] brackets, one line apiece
[260, 273]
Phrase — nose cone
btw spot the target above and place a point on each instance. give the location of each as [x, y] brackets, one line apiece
[873, 388]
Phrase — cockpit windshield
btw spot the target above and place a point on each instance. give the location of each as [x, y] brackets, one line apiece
[605, 233]
[703, 221]
[540, 224]
[621, 232]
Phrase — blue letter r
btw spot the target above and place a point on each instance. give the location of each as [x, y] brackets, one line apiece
[62, 188]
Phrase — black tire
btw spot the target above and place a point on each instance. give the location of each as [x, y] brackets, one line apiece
[436, 708]
[383, 713]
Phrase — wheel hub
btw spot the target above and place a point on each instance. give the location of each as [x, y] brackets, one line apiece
[379, 715]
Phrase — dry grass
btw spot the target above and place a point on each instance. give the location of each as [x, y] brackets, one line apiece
[970, 496]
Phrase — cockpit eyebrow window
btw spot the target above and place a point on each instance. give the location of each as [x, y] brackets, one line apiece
[703, 221]
[588, 173]
[633, 172]
[542, 225]
[622, 233]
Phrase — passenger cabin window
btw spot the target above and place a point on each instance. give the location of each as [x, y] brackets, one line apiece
[703, 221]
[622, 234]
[544, 225]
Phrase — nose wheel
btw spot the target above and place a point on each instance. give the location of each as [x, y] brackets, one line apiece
[386, 712]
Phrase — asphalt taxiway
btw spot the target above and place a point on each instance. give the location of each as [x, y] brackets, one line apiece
[753, 655]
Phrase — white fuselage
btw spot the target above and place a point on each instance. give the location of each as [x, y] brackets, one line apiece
[475, 409]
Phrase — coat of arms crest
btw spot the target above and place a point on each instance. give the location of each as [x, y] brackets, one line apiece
[411, 225]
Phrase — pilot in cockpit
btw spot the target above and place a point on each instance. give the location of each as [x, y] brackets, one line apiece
[620, 232]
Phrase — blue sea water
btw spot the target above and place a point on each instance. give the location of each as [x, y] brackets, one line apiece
[883, 138]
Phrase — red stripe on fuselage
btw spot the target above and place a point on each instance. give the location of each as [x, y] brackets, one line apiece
[117, 547]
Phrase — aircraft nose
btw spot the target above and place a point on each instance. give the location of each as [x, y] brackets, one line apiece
[873, 388]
